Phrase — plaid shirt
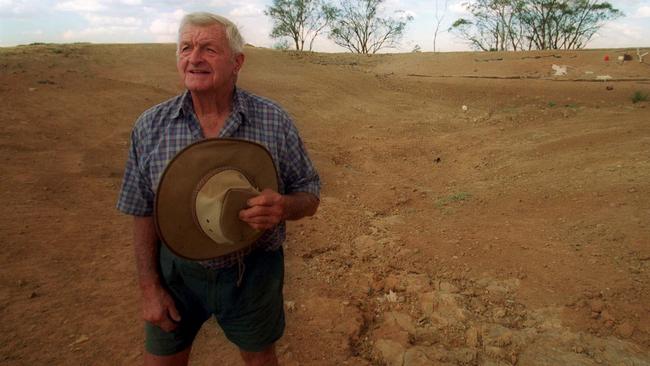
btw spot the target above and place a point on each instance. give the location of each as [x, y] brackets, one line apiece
[165, 129]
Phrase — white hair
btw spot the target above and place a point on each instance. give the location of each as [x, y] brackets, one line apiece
[203, 19]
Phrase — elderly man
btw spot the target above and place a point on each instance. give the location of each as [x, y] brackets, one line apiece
[178, 294]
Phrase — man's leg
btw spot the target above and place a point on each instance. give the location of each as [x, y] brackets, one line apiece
[266, 357]
[178, 359]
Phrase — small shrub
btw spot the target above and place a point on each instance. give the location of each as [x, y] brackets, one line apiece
[461, 196]
[552, 104]
[282, 45]
[639, 96]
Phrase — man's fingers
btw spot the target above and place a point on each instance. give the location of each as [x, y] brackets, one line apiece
[267, 197]
[249, 214]
[167, 325]
[173, 314]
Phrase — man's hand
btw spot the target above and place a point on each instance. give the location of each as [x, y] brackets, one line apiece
[265, 210]
[158, 308]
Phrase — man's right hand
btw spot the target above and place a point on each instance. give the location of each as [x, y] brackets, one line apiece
[159, 309]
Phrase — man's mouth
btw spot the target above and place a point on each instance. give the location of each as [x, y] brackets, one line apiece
[199, 72]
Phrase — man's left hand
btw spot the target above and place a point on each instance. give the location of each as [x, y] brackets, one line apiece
[265, 210]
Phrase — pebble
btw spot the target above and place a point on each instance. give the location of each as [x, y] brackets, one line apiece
[625, 330]
[499, 313]
[82, 338]
[290, 305]
[597, 305]
[472, 337]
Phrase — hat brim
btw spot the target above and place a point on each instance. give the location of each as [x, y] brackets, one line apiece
[174, 214]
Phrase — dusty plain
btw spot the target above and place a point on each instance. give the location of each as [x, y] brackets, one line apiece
[515, 230]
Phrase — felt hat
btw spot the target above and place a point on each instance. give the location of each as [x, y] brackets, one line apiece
[201, 192]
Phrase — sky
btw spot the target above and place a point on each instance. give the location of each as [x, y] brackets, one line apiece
[142, 21]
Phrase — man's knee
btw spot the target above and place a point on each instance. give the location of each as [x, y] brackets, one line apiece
[178, 359]
[266, 357]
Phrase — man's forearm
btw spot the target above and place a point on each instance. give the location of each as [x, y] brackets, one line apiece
[300, 204]
[146, 251]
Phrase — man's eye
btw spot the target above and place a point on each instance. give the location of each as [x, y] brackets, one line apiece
[212, 50]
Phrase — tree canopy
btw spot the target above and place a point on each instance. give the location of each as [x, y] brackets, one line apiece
[359, 28]
[504, 25]
[300, 20]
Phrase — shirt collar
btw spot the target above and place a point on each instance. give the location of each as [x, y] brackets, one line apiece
[185, 108]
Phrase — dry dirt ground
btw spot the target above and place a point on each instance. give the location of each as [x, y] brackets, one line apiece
[513, 231]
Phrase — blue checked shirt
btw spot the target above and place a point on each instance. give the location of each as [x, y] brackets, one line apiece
[167, 128]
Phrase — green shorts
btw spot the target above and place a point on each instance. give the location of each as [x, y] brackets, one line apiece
[251, 315]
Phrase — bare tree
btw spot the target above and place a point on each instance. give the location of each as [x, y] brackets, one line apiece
[300, 20]
[359, 28]
[438, 16]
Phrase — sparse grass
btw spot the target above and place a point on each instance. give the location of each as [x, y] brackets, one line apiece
[552, 104]
[639, 96]
[461, 196]
[571, 105]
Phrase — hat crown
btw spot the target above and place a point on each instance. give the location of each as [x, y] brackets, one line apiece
[220, 195]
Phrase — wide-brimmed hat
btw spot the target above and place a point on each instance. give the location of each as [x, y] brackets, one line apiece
[201, 192]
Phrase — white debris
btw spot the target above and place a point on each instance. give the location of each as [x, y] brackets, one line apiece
[391, 296]
[603, 77]
[290, 305]
[560, 70]
[464, 107]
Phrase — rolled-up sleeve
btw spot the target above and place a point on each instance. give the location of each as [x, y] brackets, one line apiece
[297, 170]
[136, 196]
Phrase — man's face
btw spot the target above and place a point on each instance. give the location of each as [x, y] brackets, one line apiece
[205, 60]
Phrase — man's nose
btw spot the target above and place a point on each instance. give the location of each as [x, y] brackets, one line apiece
[195, 56]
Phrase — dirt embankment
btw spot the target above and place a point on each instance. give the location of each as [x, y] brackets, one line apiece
[477, 209]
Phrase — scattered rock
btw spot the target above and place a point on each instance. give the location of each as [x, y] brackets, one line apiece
[290, 306]
[392, 282]
[83, 338]
[597, 305]
[417, 356]
[390, 351]
[391, 296]
[447, 287]
[416, 283]
[625, 330]
[472, 337]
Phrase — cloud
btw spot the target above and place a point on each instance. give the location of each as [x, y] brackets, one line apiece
[642, 12]
[111, 21]
[458, 8]
[165, 27]
[248, 10]
[12, 8]
[102, 34]
[619, 34]
[35, 32]
[81, 6]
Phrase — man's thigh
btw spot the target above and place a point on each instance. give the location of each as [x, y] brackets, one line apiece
[252, 314]
[186, 292]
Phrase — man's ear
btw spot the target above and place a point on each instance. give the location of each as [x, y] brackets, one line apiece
[239, 62]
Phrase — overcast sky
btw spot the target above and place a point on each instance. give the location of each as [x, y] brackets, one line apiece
[143, 21]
